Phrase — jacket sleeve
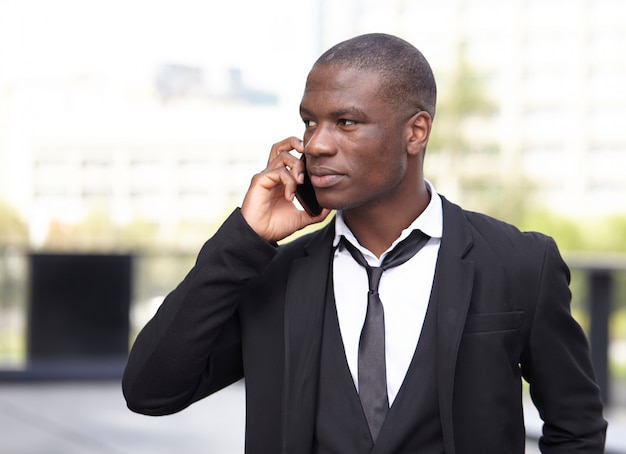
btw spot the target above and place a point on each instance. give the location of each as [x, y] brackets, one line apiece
[558, 367]
[192, 346]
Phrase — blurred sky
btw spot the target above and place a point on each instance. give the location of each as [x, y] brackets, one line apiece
[86, 69]
[128, 39]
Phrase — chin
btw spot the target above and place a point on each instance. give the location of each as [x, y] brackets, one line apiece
[337, 203]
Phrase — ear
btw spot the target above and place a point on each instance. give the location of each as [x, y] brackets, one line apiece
[419, 126]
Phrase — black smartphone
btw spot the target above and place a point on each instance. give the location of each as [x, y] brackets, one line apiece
[306, 194]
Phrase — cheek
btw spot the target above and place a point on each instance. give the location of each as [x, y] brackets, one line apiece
[387, 166]
[377, 157]
[393, 173]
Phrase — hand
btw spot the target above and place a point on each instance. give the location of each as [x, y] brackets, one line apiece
[268, 205]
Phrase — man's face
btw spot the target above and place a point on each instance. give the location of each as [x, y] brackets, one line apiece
[354, 141]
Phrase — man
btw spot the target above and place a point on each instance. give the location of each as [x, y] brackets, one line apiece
[477, 308]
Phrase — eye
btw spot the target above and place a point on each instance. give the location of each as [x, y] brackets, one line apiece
[308, 123]
[346, 122]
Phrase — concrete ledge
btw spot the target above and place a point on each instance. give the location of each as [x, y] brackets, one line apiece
[75, 369]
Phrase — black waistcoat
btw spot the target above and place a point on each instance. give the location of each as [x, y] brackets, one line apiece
[412, 425]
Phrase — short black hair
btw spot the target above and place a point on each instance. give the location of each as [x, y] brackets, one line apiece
[407, 77]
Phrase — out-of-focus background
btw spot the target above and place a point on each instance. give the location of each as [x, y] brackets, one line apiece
[129, 129]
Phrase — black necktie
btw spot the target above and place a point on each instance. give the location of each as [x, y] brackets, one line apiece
[372, 374]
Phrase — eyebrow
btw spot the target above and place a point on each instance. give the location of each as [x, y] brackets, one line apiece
[338, 113]
[352, 111]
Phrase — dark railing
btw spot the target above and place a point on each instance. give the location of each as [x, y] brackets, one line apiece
[599, 273]
[601, 300]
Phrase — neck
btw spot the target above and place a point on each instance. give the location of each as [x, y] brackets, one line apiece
[377, 226]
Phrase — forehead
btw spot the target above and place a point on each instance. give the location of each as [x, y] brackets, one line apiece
[339, 87]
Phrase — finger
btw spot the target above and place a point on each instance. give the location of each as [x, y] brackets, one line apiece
[285, 146]
[285, 160]
[270, 179]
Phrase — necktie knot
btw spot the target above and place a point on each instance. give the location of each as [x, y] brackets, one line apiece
[374, 273]
[403, 251]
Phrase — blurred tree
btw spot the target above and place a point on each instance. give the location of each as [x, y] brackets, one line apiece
[566, 232]
[463, 98]
[609, 234]
[504, 198]
[139, 234]
[573, 234]
[95, 233]
[13, 230]
[470, 171]
[98, 232]
[13, 242]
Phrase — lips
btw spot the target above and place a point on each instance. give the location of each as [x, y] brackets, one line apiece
[324, 177]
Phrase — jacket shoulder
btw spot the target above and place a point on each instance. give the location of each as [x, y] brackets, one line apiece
[496, 230]
[485, 232]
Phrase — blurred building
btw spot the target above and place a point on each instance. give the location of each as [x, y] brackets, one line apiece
[184, 148]
[555, 70]
[176, 152]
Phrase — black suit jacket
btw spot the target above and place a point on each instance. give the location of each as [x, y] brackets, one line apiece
[250, 309]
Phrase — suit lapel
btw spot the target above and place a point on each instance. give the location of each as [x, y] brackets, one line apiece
[305, 300]
[452, 291]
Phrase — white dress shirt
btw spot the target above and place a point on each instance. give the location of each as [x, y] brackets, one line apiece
[404, 291]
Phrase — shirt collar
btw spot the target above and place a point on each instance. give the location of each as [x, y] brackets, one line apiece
[430, 221]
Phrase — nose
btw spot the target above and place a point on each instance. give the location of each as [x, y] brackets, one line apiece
[320, 141]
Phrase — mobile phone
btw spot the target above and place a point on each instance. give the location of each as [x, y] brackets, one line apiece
[306, 194]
